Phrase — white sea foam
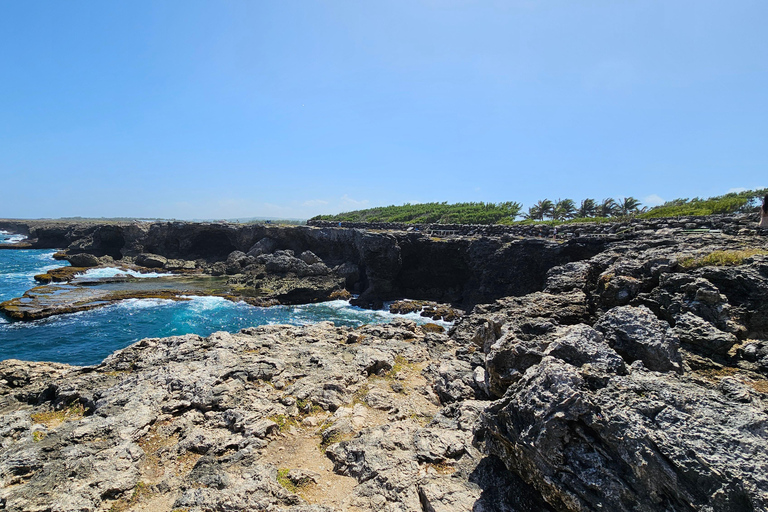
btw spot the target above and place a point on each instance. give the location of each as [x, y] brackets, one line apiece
[7, 238]
[109, 272]
[345, 309]
[134, 304]
[207, 303]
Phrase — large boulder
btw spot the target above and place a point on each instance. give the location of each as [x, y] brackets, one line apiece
[636, 334]
[701, 336]
[264, 246]
[83, 260]
[284, 262]
[644, 441]
[151, 260]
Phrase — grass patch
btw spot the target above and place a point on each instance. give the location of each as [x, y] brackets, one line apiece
[282, 479]
[284, 422]
[359, 395]
[38, 435]
[728, 203]
[307, 407]
[140, 492]
[52, 419]
[333, 439]
[289, 484]
[720, 259]
[430, 327]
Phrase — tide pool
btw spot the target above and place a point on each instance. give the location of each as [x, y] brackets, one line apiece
[87, 337]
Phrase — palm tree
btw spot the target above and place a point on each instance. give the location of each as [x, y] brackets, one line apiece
[607, 208]
[587, 208]
[533, 213]
[546, 207]
[628, 206]
[564, 209]
[540, 210]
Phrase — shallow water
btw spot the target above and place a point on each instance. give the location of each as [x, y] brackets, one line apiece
[88, 337]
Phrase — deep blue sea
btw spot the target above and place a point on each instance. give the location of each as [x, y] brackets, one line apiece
[87, 337]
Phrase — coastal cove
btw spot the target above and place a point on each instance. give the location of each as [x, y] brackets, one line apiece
[618, 367]
[87, 337]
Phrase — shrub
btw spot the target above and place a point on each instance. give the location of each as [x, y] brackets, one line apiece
[720, 258]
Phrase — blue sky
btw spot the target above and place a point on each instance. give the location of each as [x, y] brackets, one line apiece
[223, 109]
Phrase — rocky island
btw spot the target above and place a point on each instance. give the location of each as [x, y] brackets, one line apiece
[619, 367]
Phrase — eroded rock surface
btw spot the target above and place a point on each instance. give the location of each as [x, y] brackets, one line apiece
[192, 423]
[624, 374]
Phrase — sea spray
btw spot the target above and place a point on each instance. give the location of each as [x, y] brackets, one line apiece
[87, 337]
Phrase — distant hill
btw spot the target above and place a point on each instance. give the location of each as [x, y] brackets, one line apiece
[433, 213]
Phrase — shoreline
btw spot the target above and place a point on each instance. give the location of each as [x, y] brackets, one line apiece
[651, 353]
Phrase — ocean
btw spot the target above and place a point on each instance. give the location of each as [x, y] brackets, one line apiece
[87, 337]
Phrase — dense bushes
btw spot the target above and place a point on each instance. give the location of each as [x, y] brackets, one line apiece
[562, 210]
[728, 203]
[433, 213]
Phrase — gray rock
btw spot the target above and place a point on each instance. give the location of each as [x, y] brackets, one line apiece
[635, 333]
[83, 260]
[309, 258]
[264, 246]
[151, 260]
[373, 361]
[701, 336]
[582, 345]
[638, 440]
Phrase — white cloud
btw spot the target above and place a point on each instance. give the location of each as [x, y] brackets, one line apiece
[737, 189]
[653, 200]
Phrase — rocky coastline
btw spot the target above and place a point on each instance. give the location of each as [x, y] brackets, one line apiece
[623, 369]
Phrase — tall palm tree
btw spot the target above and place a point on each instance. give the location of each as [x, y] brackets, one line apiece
[587, 208]
[607, 208]
[546, 207]
[564, 209]
[628, 206]
[533, 213]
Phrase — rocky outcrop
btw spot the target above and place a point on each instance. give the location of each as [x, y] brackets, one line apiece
[272, 418]
[377, 266]
[623, 373]
[632, 382]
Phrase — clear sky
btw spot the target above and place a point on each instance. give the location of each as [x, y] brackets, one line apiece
[223, 109]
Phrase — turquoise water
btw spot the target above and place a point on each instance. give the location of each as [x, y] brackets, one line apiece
[87, 337]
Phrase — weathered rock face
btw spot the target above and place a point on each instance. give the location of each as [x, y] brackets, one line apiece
[608, 377]
[632, 383]
[377, 266]
[233, 422]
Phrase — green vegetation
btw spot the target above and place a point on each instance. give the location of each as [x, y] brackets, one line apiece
[562, 210]
[433, 213]
[140, 492]
[728, 203]
[52, 419]
[284, 422]
[588, 210]
[282, 479]
[720, 258]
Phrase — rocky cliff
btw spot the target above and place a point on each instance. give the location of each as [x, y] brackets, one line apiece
[379, 266]
[626, 373]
